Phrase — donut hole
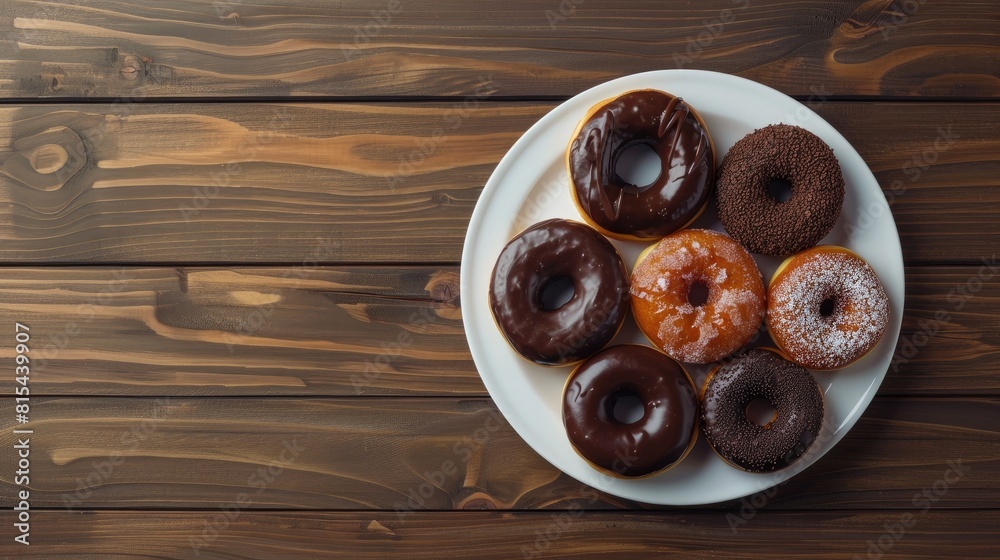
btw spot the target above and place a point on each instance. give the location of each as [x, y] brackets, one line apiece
[761, 412]
[638, 164]
[780, 190]
[625, 406]
[556, 293]
[827, 307]
[698, 293]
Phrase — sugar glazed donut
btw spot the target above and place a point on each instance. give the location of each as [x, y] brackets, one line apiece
[678, 136]
[826, 308]
[659, 439]
[792, 391]
[788, 153]
[668, 309]
[552, 251]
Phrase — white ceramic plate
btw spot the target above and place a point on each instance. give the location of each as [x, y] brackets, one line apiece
[530, 184]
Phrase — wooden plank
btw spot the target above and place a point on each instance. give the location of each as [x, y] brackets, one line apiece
[327, 331]
[437, 453]
[302, 330]
[185, 48]
[498, 535]
[376, 183]
[254, 183]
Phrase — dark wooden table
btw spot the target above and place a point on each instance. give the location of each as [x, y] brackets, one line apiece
[234, 230]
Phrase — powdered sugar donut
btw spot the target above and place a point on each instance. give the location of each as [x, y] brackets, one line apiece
[826, 308]
[698, 295]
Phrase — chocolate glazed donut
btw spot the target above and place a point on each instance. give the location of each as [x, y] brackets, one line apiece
[675, 132]
[664, 434]
[550, 251]
[791, 390]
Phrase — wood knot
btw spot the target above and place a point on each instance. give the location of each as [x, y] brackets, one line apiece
[479, 503]
[132, 67]
[443, 287]
[48, 158]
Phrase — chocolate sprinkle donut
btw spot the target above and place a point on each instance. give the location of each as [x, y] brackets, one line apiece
[791, 389]
[779, 152]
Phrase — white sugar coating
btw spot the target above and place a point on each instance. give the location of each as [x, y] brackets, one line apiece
[859, 317]
[692, 333]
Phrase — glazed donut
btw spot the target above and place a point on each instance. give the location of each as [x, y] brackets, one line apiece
[659, 439]
[826, 308]
[786, 153]
[559, 250]
[678, 136]
[792, 391]
[670, 314]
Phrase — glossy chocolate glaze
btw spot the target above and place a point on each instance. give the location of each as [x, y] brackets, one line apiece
[543, 253]
[672, 130]
[791, 389]
[660, 438]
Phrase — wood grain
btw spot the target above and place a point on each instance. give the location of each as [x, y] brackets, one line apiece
[439, 453]
[185, 48]
[221, 183]
[499, 535]
[378, 183]
[303, 330]
[327, 331]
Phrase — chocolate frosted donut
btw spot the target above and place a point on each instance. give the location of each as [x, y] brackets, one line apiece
[659, 439]
[675, 132]
[788, 153]
[559, 251]
[791, 390]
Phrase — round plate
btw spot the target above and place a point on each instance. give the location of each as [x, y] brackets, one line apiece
[531, 184]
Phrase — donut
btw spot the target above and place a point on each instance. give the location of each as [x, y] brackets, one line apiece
[826, 308]
[559, 251]
[659, 439]
[787, 153]
[792, 391]
[688, 326]
[680, 139]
